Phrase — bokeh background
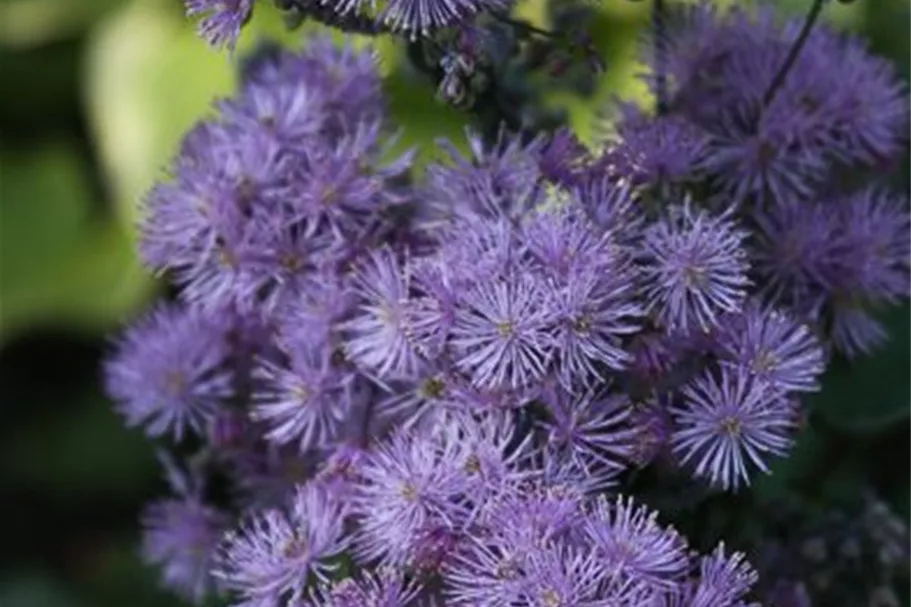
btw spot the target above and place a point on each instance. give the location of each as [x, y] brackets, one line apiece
[95, 95]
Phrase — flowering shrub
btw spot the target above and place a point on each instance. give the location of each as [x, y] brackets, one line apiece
[400, 387]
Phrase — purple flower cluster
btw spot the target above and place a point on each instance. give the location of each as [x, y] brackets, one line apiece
[425, 389]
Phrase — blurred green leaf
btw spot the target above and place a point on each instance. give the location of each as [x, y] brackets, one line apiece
[788, 473]
[30, 23]
[57, 262]
[117, 576]
[871, 393]
[81, 453]
[35, 590]
[148, 79]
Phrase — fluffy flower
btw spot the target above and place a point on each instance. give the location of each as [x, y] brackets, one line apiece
[774, 348]
[593, 433]
[370, 589]
[410, 483]
[724, 580]
[875, 264]
[694, 269]
[666, 149]
[306, 402]
[630, 543]
[379, 334]
[795, 253]
[222, 19]
[500, 334]
[182, 535]
[502, 179]
[169, 371]
[271, 558]
[730, 421]
[419, 17]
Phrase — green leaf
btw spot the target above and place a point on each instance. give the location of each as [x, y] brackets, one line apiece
[30, 23]
[149, 78]
[84, 453]
[118, 576]
[58, 262]
[33, 589]
[870, 393]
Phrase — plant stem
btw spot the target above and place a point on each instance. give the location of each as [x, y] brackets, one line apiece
[793, 53]
[660, 56]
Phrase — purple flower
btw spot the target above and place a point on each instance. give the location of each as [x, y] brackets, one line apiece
[594, 310]
[485, 572]
[379, 335]
[563, 241]
[293, 112]
[409, 483]
[384, 588]
[666, 149]
[563, 159]
[564, 576]
[652, 427]
[418, 403]
[420, 17]
[267, 475]
[724, 580]
[490, 452]
[182, 535]
[534, 513]
[854, 331]
[339, 188]
[797, 247]
[347, 81]
[773, 347]
[169, 371]
[591, 432]
[694, 269]
[222, 21]
[761, 165]
[629, 542]
[305, 402]
[730, 421]
[500, 335]
[270, 559]
[497, 180]
[612, 206]
[876, 247]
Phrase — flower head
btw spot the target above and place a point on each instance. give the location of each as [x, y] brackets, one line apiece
[182, 535]
[774, 347]
[724, 579]
[370, 589]
[169, 371]
[379, 336]
[410, 483]
[694, 269]
[305, 402]
[729, 421]
[591, 432]
[272, 557]
[500, 335]
[629, 542]
[222, 19]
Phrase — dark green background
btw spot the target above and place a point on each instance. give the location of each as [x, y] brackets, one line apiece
[94, 96]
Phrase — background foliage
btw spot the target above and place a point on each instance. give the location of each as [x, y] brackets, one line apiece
[96, 95]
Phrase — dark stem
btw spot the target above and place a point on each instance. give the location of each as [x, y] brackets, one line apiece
[793, 53]
[660, 56]
[527, 27]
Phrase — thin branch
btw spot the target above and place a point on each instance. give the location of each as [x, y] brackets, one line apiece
[523, 25]
[660, 56]
[793, 53]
